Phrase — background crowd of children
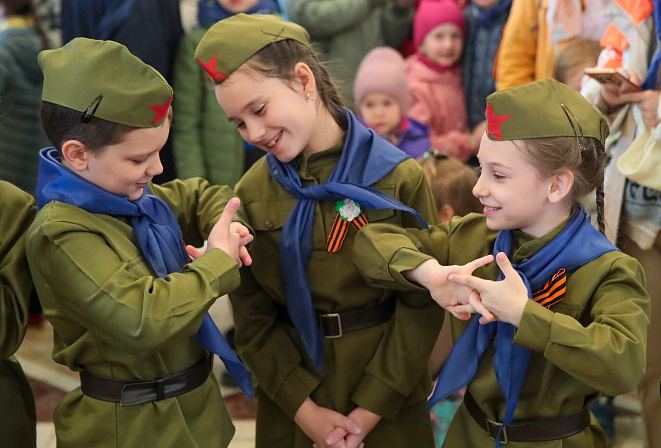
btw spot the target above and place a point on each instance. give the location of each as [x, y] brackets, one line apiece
[416, 72]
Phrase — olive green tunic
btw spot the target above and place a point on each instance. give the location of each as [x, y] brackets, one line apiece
[593, 341]
[382, 368]
[18, 421]
[113, 317]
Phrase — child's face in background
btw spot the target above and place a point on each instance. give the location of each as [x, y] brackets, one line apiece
[511, 191]
[382, 113]
[271, 114]
[443, 45]
[128, 166]
[237, 6]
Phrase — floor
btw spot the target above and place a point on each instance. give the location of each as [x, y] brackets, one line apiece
[50, 381]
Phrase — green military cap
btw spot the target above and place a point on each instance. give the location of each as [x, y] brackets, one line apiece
[103, 79]
[544, 108]
[231, 42]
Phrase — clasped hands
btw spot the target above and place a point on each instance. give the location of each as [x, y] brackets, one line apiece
[462, 294]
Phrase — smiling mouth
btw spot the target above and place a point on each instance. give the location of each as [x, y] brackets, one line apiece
[275, 140]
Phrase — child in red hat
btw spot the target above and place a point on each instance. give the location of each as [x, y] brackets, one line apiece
[434, 76]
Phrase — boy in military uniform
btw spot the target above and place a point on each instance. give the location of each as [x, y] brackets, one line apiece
[106, 250]
[17, 210]
[571, 310]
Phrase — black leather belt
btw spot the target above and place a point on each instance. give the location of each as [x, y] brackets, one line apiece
[334, 325]
[537, 431]
[133, 392]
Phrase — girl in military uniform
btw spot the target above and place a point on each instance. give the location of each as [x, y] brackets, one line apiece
[106, 250]
[17, 210]
[333, 357]
[570, 310]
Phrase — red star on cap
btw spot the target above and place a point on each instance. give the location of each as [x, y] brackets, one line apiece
[160, 111]
[210, 68]
[494, 121]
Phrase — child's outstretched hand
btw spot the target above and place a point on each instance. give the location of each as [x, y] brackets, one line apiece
[459, 300]
[505, 299]
[228, 236]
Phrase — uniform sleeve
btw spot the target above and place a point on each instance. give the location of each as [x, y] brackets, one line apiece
[400, 361]
[197, 206]
[99, 283]
[518, 47]
[608, 353]
[326, 18]
[17, 209]
[188, 110]
[383, 252]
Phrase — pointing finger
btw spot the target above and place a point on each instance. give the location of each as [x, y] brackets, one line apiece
[480, 262]
[468, 280]
[505, 265]
[228, 213]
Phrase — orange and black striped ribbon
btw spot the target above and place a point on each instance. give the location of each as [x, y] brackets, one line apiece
[553, 291]
[340, 229]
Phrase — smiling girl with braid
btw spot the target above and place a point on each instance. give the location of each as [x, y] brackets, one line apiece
[564, 314]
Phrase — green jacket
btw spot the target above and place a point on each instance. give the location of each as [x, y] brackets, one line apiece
[592, 341]
[382, 368]
[204, 142]
[17, 210]
[113, 317]
[344, 31]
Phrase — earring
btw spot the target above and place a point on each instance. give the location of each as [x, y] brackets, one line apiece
[308, 96]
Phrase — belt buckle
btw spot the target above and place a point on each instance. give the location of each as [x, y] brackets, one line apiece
[339, 325]
[504, 438]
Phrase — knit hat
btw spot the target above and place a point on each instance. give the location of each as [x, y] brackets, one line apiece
[232, 41]
[103, 79]
[382, 71]
[432, 13]
[544, 108]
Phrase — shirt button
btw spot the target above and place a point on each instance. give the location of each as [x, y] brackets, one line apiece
[269, 224]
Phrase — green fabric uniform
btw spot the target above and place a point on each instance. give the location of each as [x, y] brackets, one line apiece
[18, 422]
[592, 341]
[113, 317]
[382, 368]
[204, 142]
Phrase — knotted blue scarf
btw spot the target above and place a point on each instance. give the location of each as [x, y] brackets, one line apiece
[156, 228]
[365, 159]
[651, 81]
[577, 244]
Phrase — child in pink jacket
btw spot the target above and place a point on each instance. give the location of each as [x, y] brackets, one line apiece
[434, 77]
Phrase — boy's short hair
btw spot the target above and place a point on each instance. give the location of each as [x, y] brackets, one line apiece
[62, 124]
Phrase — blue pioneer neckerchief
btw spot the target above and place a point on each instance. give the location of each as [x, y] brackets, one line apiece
[365, 159]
